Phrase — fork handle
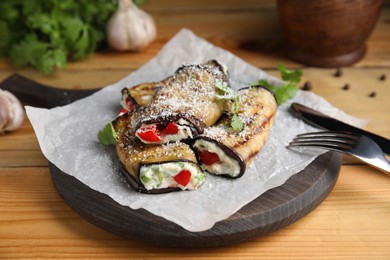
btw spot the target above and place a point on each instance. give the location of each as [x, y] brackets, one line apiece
[323, 121]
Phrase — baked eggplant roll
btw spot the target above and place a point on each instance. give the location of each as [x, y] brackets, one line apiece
[155, 168]
[183, 104]
[223, 151]
[142, 94]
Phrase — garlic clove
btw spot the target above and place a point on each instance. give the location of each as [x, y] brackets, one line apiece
[4, 112]
[130, 28]
[11, 112]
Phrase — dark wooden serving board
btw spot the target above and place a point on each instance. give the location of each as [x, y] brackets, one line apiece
[271, 211]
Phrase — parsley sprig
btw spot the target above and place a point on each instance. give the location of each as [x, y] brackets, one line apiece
[46, 34]
[236, 122]
[286, 91]
[229, 94]
[107, 135]
[226, 92]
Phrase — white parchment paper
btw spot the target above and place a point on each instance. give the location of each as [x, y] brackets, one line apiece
[67, 137]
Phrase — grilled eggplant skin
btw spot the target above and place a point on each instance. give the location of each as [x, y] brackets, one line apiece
[187, 94]
[257, 110]
[195, 125]
[144, 93]
[227, 151]
[133, 154]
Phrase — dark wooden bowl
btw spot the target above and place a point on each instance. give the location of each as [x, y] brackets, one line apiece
[327, 33]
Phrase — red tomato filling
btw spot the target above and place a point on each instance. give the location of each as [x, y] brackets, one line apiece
[122, 111]
[183, 177]
[150, 134]
[208, 158]
[171, 129]
[153, 133]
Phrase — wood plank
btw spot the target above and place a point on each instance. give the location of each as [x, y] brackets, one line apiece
[22, 138]
[351, 224]
[36, 223]
[22, 158]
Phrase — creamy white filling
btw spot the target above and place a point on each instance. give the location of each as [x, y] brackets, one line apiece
[226, 164]
[160, 176]
[184, 132]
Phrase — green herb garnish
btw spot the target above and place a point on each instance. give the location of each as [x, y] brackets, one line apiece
[107, 135]
[226, 91]
[236, 123]
[228, 94]
[46, 33]
[286, 91]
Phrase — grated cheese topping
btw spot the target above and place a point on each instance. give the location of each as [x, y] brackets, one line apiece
[191, 90]
[253, 112]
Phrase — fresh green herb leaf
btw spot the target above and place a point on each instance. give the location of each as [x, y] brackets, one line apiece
[286, 91]
[28, 51]
[107, 135]
[236, 104]
[225, 90]
[46, 34]
[264, 83]
[228, 93]
[236, 123]
[292, 76]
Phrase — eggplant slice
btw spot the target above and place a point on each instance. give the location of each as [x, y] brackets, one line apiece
[181, 99]
[143, 94]
[155, 169]
[222, 151]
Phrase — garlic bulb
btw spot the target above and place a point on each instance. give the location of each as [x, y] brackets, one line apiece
[11, 112]
[130, 28]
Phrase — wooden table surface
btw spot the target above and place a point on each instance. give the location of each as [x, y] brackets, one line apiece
[352, 223]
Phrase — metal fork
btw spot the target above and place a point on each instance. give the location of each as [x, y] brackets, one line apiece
[349, 143]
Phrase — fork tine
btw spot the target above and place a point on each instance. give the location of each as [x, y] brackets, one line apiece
[345, 135]
[338, 141]
[352, 144]
[333, 139]
[321, 144]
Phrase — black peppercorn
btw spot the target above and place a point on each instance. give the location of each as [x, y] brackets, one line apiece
[346, 87]
[338, 73]
[307, 86]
